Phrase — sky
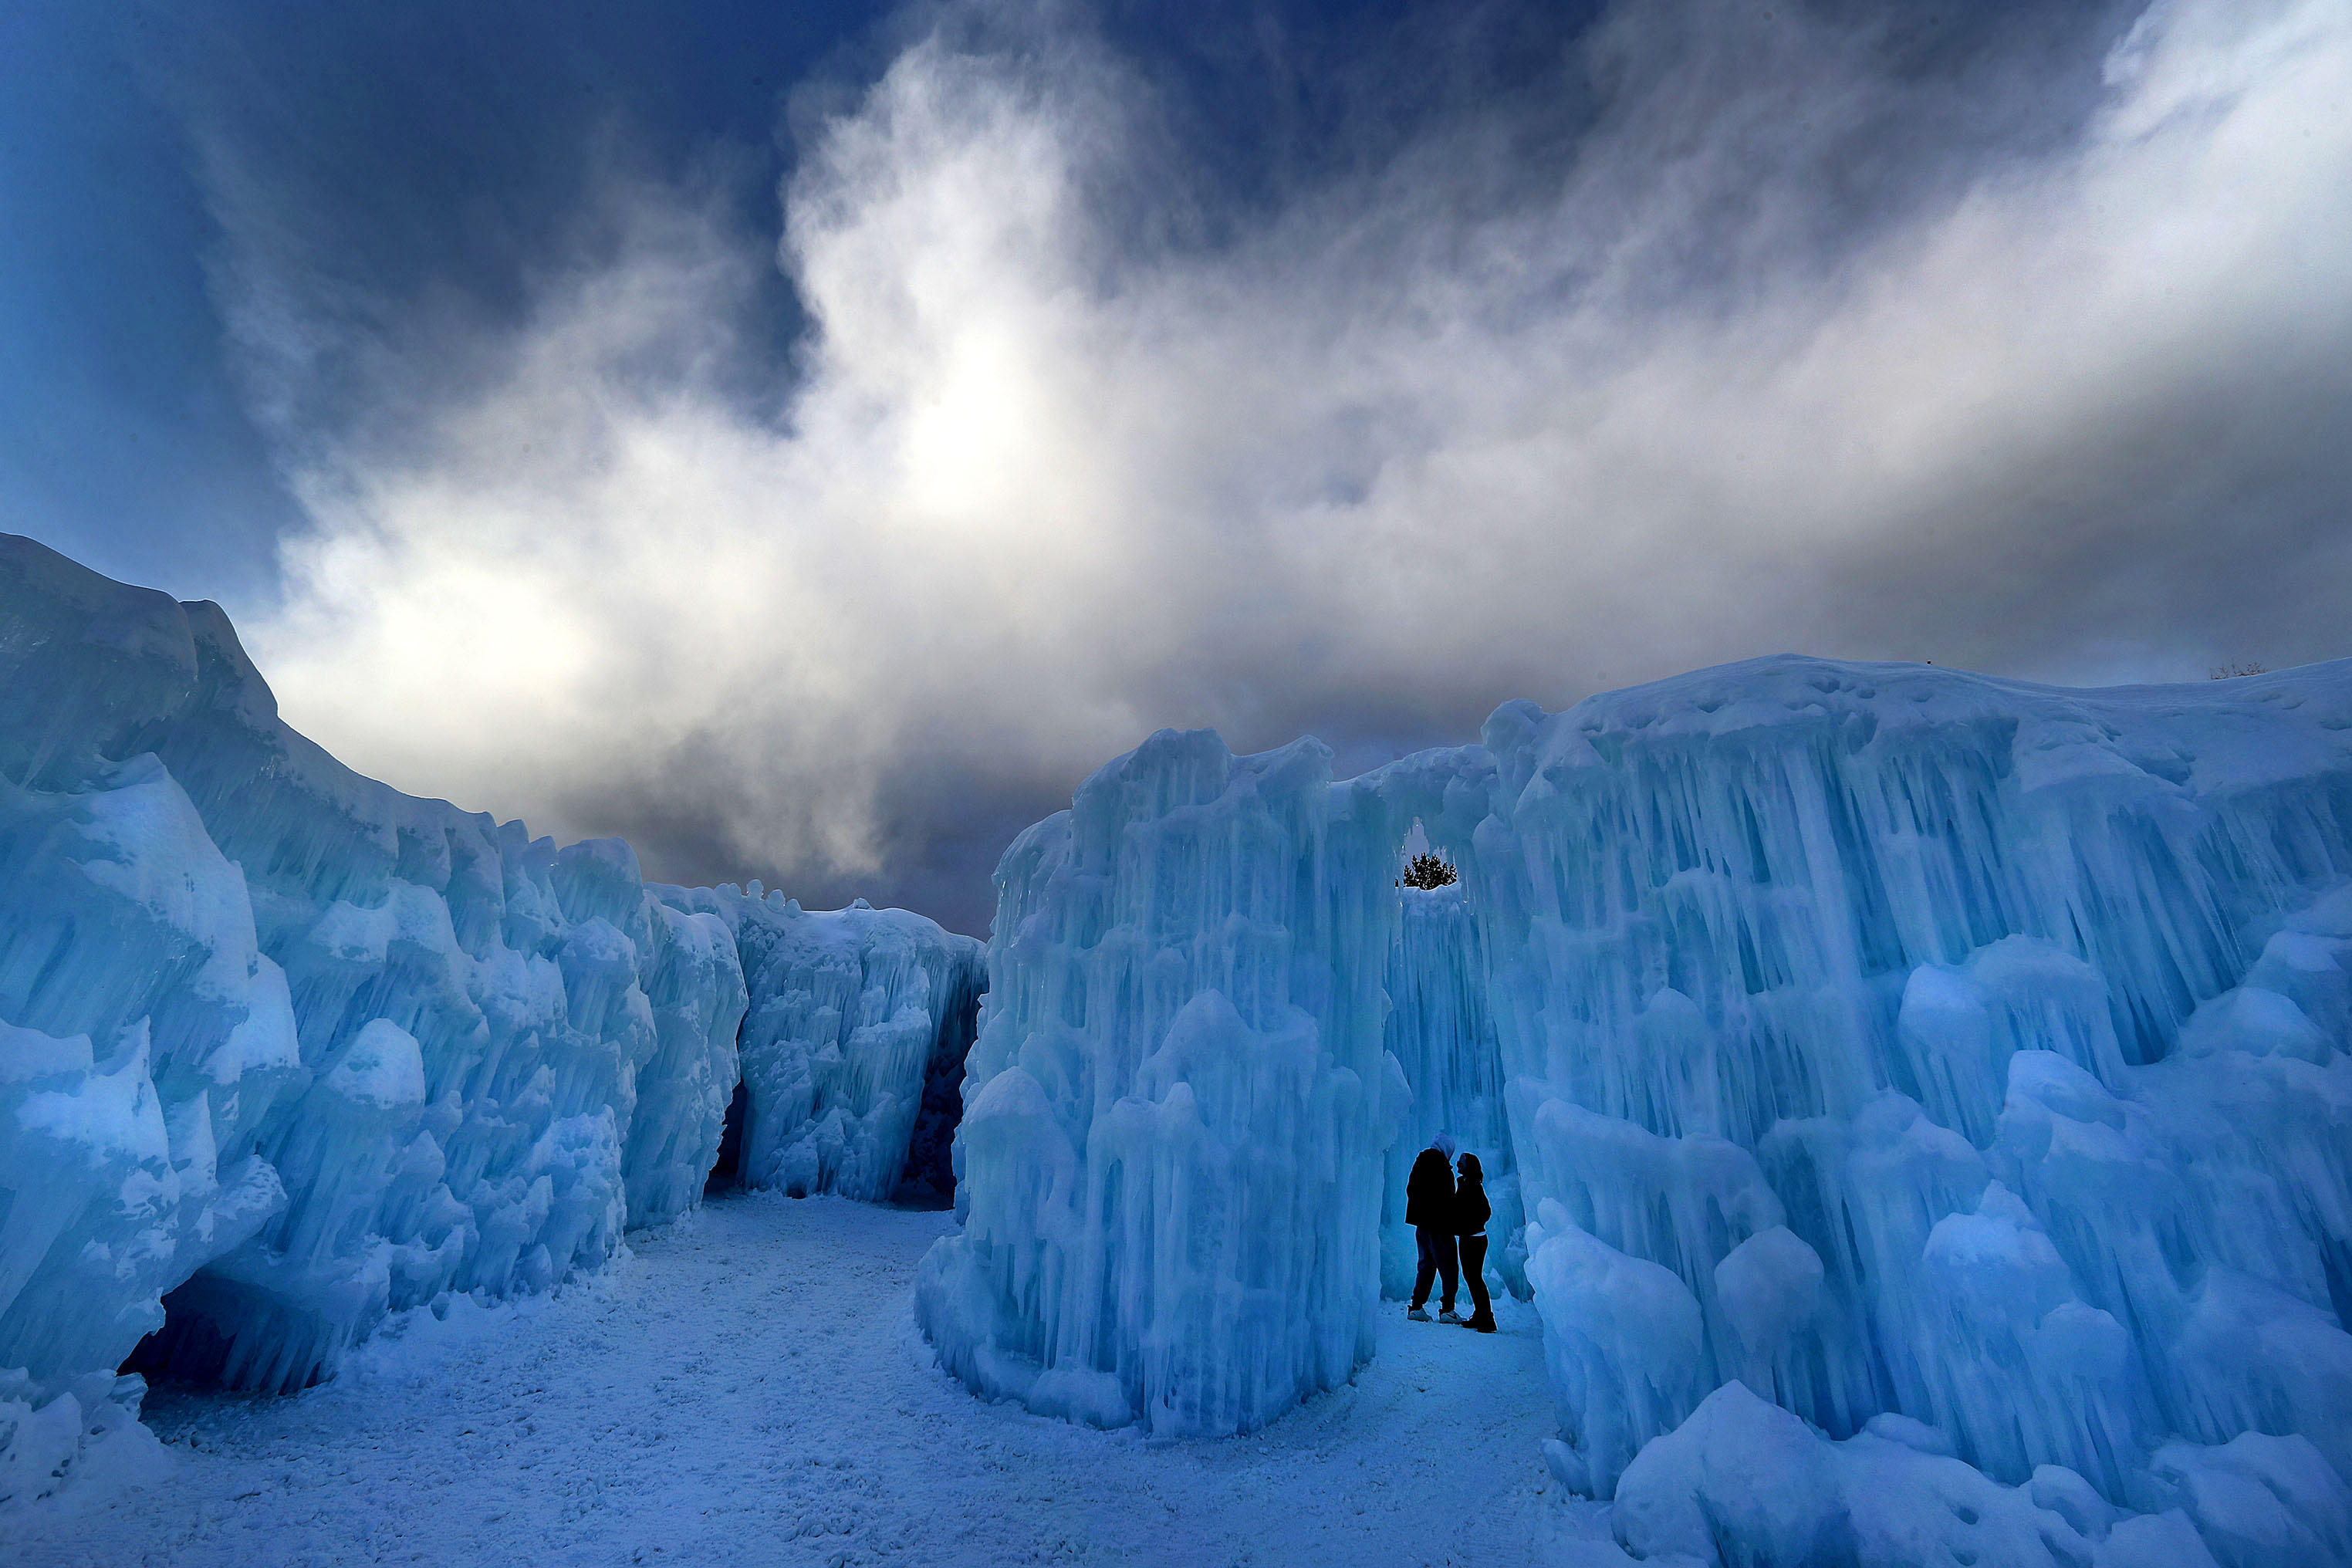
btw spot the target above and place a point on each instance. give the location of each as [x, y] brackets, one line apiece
[808, 440]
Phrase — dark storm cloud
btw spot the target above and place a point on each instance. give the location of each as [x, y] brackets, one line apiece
[1286, 370]
[122, 438]
[420, 168]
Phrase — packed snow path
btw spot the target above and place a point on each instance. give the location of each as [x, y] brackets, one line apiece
[747, 1391]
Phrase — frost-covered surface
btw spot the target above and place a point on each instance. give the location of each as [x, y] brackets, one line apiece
[1170, 1165]
[1749, 1481]
[287, 1044]
[1909, 1046]
[853, 1013]
[745, 1392]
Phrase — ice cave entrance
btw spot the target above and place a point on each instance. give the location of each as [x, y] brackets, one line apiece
[727, 1170]
[1443, 1037]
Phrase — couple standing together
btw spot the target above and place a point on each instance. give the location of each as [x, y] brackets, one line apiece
[1449, 1227]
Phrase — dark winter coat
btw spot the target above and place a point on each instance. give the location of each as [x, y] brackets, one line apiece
[1471, 1209]
[1429, 1192]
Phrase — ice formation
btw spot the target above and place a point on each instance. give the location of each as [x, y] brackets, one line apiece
[1439, 1031]
[1170, 1160]
[1988, 1013]
[858, 1016]
[283, 1049]
[287, 1044]
[1924, 1052]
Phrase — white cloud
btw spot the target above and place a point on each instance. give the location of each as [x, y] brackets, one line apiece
[1042, 486]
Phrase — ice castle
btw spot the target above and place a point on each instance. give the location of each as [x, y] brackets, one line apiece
[1918, 1105]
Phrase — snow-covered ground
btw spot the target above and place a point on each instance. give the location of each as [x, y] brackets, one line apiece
[747, 1390]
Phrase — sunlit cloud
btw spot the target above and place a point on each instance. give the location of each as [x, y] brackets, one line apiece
[1042, 481]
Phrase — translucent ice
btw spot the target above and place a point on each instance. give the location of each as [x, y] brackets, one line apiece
[854, 1014]
[1171, 1159]
[285, 1044]
[1929, 1053]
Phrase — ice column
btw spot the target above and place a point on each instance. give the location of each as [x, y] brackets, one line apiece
[1170, 1161]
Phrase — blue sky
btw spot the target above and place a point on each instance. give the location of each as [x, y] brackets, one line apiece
[807, 439]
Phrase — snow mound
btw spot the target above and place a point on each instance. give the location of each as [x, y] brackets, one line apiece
[1745, 1483]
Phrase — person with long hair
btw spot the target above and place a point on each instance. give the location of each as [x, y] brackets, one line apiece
[1429, 1209]
[1471, 1213]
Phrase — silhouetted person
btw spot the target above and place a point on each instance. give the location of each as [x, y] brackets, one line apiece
[1429, 1209]
[1471, 1213]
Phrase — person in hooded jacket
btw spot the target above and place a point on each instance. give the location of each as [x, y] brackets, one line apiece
[1429, 1209]
[1471, 1213]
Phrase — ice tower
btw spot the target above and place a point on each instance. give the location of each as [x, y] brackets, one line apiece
[1175, 1116]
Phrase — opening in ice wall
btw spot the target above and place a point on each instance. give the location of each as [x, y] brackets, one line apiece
[927, 1179]
[727, 1170]
[1443, 1040]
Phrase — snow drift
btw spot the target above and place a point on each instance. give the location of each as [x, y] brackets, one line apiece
[1918, 1051]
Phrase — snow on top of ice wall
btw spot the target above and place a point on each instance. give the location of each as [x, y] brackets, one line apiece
[1171, 1155]
[326, 1047]
[852, 1011]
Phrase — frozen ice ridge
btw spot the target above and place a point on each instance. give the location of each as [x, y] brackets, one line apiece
[1917, 1083]
[285, 1044]
[283, 1049]
[854, 1047]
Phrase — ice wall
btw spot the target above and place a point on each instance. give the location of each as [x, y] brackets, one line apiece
[854, 1014]
[1899, 1040]
[285, 1042]
[1170, 1157]
[1927, 1053]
